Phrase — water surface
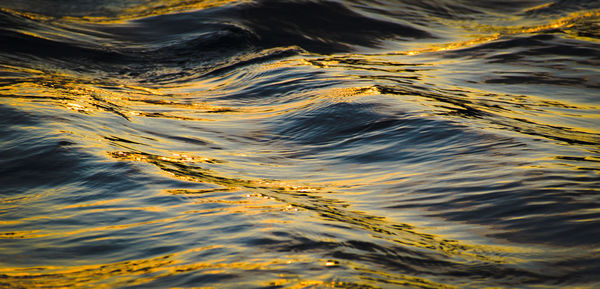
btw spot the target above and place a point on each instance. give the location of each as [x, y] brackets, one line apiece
[299, 144]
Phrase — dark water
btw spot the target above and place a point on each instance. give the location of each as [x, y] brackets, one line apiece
[299, 144]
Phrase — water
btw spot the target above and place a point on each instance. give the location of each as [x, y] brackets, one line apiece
[299, 144]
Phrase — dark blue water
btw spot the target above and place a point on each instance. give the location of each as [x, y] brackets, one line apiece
[299, 144]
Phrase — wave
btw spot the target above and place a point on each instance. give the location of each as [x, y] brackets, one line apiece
[299, 143]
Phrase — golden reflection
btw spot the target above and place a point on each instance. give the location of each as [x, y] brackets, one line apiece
[541, 6]
[529, 114]
[28, 15]
[18, 69]
[367, 277]
[294, 197]
[562, 22]
[343, 93]
[400, 279]
[248, 206]
[499, 31]
[128, 273]
[450, 46]
[88, 97]
[65, 233]
[153, 8]
[22, 234]
[94, 204]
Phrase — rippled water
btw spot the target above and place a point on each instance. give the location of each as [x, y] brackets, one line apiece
[299, 144]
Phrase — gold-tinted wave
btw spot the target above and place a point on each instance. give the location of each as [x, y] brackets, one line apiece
[563, 22]
[312, 199]
[496, 32]
[156, 8]
[146, 271]
[88, 96]
[151, 8]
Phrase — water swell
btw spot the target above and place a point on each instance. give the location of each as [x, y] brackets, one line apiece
[277, 144]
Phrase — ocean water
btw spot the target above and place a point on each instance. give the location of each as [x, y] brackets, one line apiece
[299, 144]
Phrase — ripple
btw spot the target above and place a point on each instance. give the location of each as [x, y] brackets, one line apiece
[263, 144]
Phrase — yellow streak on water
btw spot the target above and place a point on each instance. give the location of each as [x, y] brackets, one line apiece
[291, 197]
[138, 272]
[178, 166]
[86, 98]
[22, 234]
[154, 8]
[87, 276]
[28, 15]
[541, 6]
[562, 22]
[499, 31]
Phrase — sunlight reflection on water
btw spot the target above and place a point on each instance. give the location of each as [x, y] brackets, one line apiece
[238, 144]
